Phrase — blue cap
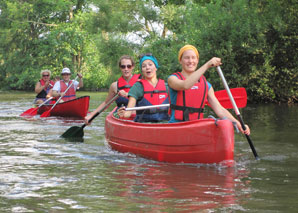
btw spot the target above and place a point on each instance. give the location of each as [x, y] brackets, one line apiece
[151, 58]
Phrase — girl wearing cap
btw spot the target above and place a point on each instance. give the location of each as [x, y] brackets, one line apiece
[43, 86]
[147, 91]
[61, 86]
[189, 89]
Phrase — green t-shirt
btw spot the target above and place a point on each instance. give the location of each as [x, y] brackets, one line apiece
[137, 90]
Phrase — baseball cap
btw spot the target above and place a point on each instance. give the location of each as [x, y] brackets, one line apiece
[66, 70]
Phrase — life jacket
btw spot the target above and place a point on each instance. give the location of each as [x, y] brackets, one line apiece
[71, 92]
[43, 93]
[153, 96]
[190, 103]
[122, 84]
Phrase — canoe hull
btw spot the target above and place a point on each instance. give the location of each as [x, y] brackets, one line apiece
[76, 108]
[201, 141]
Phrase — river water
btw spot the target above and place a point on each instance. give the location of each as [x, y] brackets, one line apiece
[40, 172]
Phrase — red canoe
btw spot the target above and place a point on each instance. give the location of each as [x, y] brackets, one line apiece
[76, 108]
[200, 141]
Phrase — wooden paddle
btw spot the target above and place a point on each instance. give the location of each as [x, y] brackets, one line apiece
[239, 94]
[78, 132]
[48, 113]
[236, 111]
[33, 111]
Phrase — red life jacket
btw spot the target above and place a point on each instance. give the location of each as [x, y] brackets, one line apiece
[71, 92]
[190, 103]
[122, 84]
[153, 96]
[43, 93]
[157, 95]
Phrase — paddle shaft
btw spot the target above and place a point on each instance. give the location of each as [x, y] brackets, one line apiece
[237, 111]
[64, 92]
[146, 107]
[46, 101]
[102, 109]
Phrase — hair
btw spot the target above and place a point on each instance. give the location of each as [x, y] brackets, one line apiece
[43, 71]
[128, 58]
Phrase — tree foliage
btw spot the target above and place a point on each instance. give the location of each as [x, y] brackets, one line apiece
[257, 40]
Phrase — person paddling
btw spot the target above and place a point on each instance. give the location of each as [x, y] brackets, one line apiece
[121, 86]
[147, 91]
[43, 87]
[61, 86]
[189, 89]
[49, 95]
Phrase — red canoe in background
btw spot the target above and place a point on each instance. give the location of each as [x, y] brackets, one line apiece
[76, 108]
[201, 141]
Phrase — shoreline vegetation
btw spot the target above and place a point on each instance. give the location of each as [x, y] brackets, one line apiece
[257, 41]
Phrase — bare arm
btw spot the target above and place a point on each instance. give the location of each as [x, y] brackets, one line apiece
[111, 94]
[178, 84]
[39, 87]
[221, 112]
[81, 84]
[50, 94]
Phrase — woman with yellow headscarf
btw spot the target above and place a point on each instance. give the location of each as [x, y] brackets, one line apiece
[189, 90]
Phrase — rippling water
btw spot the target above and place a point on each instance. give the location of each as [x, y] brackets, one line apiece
[40, 172]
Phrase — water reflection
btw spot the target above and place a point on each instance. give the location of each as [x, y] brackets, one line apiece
[179, 187]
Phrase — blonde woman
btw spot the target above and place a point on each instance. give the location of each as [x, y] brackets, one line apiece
[43, 86]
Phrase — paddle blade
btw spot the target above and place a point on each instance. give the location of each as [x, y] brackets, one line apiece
[46, 114]
[73, 132]
[239, 95]
[29, 112]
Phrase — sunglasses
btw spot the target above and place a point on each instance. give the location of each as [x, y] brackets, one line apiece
[124, 66]
[145, 54]
[45, 75]
[65, 74]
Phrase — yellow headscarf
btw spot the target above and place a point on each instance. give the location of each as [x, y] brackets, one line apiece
[187, 47]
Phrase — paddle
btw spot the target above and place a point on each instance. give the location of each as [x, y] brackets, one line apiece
[222, 96]
[76, 131]
[33, 111]
[48, 113]
[237, 111]
[239, 95]
[146, 107]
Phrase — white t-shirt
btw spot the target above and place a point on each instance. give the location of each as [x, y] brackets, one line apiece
[57, 85]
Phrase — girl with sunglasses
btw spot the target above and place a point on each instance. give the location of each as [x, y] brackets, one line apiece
[122, 85]
[43, 86]
[146, 92]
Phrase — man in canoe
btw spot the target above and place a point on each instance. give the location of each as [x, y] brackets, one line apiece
[61, 86]
[189, 90]
[121, 86]
[147, 91]
[43, 86]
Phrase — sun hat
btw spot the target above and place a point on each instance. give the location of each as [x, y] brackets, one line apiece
[149, 57]
[187, 47]
[65, 71]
